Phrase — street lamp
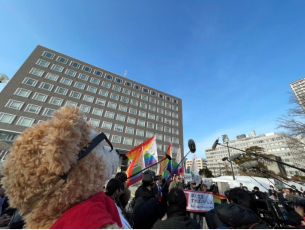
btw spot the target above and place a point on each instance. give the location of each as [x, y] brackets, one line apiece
[225, 139]
[3, 78]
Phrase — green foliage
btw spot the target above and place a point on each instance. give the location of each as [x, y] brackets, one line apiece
[205, 172]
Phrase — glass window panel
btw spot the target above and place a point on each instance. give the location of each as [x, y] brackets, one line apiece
[25, 121]
[83, 76]
[62, 60]
[56, 101]
[40, 97]
[75, 64]
[37, 72]
[95, 81]
[7, 118]
[88, 98]
[66, 81]
[48, 55]
[52, 76]
[123, 108]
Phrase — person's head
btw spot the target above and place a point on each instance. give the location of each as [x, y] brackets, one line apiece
[177, 197]
[256, 189]
[287, 190]
[148, 179]
[245, 188]
[239, 196]
[271, 187]
[114, 187]
[279, 191]
[121, 176]
[240, 184]
[203, 187]
[299, 205]
[177, 178]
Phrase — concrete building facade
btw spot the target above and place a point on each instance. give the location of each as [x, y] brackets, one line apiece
[201, 163]
[298, 88]
[128, 112]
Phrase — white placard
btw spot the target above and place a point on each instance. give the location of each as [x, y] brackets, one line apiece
[199, 201]
[187, 177]
[207, 181]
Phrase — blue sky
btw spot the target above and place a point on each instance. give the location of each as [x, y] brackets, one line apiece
[230, 62]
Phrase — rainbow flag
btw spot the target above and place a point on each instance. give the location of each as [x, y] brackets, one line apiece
[136, 166]
[194, 169]
[164, 164]
[149, 149]
[217, 199]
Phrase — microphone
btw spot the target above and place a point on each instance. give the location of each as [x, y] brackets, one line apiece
[249, 164]
[215, 144]
[224, 159]
[168, 156]
[192, 145]
[235, 157]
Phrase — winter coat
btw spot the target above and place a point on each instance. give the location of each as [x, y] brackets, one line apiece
[146, 211]
[174, 184]
[234, 216]
[176, 219]
[125, 196]
[293, 218]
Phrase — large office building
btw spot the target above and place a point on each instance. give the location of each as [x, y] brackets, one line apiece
[298, 88]
[273, 143]
[200, 162]
[128, 112]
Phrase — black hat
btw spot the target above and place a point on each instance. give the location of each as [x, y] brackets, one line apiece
[147, 177]
[256, 188]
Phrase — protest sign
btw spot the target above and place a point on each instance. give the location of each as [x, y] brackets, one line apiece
[207, 182]
[187, 177]
[199, 201]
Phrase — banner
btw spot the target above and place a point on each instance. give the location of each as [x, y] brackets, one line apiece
[187, 177]
[199, 201]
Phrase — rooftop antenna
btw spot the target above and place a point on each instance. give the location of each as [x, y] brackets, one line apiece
[125, 74]
[3, 78]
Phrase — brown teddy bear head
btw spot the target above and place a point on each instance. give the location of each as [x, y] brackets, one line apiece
[39, 158]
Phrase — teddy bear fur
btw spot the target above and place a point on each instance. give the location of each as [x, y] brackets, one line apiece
[45, 152]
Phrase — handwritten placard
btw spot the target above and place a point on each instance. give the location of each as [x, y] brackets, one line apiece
[199, 201]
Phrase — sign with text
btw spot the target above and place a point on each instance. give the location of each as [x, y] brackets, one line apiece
[199, 201]
[207, 182]
[187, 177]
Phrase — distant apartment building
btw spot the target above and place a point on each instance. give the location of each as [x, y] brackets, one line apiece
[201, 163]
[273, 143]
[298, 88]
[128, 112]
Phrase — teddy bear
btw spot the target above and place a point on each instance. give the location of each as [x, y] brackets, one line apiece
[56, 171]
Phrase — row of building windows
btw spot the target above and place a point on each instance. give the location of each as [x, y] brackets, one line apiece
[49, 87]
[99, 73]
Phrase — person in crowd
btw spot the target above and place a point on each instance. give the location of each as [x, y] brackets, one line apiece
[126, 194]
[147, 209]
[203, 188]
[214, 188]
[296, 216]
[280, 196]
[114, 189]
[162, 195]
[241, 185]
[271, 191]
[176, 217]
[245, 188]
[176, 183]
[258, 194]
[236, 213]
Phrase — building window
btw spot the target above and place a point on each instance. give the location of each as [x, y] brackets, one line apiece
[167, 121]
[94, 122]
[75, 94]
[168, 113]
[121, 117]
[71, 103]
[128, 84]
[116, 139]
[161, 103]
[167, 129]
[12, 104]
[109, 77]
[114, 96]
[167, 105]
[144, 97]
[150, 125]
[100, 101]
[134, 94]
[175, 140]
[152, 108]
[57, 68]
[127, 141]
[159, 118]
[92, 89]
[95, 81]
[140, 132]
[71, 72]
[116, 88]
[48, 55]
[159, 147]
[143, 105]
[175, 131]
[159, 136]
[159, 127]
[175, 115]
[107, 125]
[124, 99]
[37, 72]
[149, 134]
[87, 69]
[145, 90]
[131, 120]
[33, 108]
[84, 77]
[175, 123]
[118, 128]
[118, 80]
[79, 85]
[134, 102]
[159, 110]
[142, 113]
[112, 105]
[175, 101]
[153, 93]
[98, 73]
[66, 81]
[52, 76]
[123, 108]
[88, 98]
[62, 60]
[126, 91]
[167, 138]
[29, 81]
[56, 101]
[46, 86]
[43, 63]
[40, 97]
[61, 91]
[48, 112]
[104, 93]
[85, 108]
[74, 64]
[141, 123]
[151, 116]
[152, 100]
[109, 114]
[137, 142]
[129, 130]
[25, 121]
[106, 84]
[161, 96]
[7, 118]
[137, 87]
[133, 111]
[167, 98]
[98, 112]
